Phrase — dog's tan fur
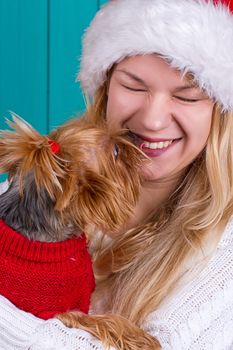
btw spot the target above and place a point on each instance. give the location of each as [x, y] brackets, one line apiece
[113, 330]
[93, 179]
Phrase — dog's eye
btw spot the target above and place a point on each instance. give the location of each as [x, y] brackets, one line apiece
[116, 151]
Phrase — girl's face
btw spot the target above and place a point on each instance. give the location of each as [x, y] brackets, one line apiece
[169, 117]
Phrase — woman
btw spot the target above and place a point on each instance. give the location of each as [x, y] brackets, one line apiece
[162, 69]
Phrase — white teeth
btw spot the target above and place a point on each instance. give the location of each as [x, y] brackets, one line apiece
[151, 145]
[155, 145]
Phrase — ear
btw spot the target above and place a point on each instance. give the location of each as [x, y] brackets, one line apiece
[15, 144]
[23, 149]
[101, 202]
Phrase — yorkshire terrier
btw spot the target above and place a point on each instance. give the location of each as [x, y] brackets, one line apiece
[79, 175]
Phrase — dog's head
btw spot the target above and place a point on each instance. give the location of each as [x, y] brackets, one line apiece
[90, 174]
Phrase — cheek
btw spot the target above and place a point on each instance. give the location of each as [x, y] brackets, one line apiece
[121, 106]
[197, 124]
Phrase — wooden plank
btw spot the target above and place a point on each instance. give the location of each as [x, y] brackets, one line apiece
[68, 20]
[23, 60]
[102, 2]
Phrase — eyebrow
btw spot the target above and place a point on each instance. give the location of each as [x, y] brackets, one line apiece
[141, 81]
[185, 87]
[132, 76]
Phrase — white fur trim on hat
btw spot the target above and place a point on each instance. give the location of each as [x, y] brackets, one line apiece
[194, 35]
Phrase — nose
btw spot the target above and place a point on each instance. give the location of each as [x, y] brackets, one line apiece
[157, 113]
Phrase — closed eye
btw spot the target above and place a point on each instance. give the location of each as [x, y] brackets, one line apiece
[191, 100]
[132, 89]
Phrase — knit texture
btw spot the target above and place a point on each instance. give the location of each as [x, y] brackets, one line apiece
[45, 278]
[32, 333]
[197, 316]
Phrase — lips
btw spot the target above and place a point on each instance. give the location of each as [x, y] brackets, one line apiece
[153, 147]
[148, 142]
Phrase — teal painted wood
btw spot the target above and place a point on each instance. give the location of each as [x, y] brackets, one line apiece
[39, 50]
[102, 2]
[23, 60]
[68, 19]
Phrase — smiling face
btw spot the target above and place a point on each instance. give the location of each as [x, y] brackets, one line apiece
[169, 117]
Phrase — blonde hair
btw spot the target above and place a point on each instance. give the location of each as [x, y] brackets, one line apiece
[143, 265]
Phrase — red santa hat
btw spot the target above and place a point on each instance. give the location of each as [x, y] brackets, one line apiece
[193, 35]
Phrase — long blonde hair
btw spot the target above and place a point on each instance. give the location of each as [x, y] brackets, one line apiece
[142, 265]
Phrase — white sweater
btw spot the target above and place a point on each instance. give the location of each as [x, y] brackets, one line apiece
[197, 316]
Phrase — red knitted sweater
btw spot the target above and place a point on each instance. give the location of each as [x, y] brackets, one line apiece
[45, 278]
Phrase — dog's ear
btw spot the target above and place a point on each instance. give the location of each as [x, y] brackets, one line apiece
[102, 202]
[24, 150]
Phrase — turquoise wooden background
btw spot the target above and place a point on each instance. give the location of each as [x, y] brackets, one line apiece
[40, 47]
[39, 55]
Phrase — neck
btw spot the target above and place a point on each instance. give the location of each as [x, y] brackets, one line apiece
[153, 195]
